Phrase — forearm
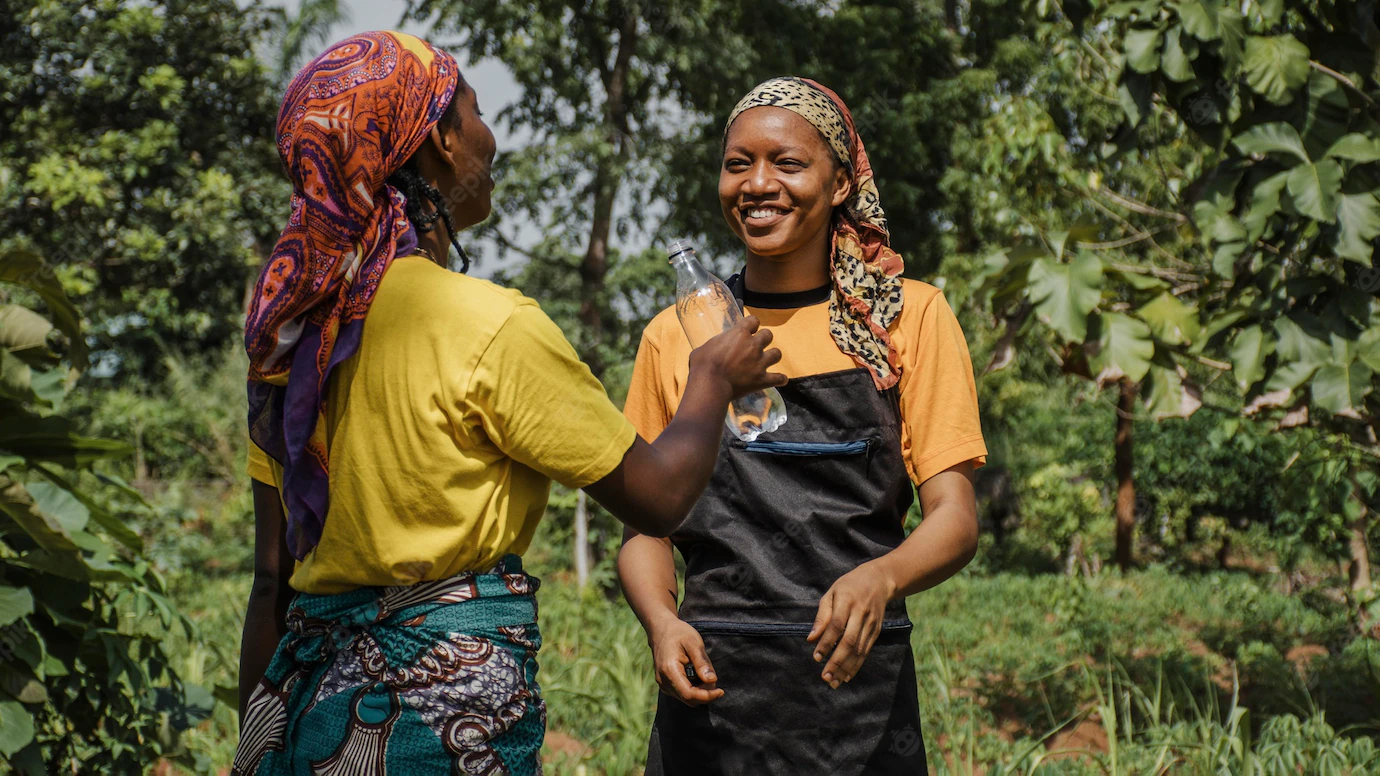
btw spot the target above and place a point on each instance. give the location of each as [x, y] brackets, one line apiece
[943, 543]
[647, 572]
[265, 624]
[658, 483]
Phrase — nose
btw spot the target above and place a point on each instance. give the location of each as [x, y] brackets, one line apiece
[761, 181]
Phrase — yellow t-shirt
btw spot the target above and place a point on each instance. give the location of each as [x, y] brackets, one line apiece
[940, 426]
[445, 430]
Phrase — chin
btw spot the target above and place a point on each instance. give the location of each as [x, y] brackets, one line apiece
[775, 243]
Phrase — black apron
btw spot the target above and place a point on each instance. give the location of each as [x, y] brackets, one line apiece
[782, 519]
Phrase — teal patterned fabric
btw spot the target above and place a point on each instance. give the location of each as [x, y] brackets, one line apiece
[438, 677]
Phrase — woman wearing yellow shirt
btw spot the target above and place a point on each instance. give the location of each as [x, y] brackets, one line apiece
[407, 422]
[795, 556]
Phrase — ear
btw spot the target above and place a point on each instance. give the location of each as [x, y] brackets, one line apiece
[440, 142]
[842, 186]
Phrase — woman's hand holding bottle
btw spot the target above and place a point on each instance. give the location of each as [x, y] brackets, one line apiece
[737, 360]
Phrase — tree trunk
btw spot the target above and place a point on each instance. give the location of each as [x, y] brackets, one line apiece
[1125, 483]
[581, 539]
[607, 178]
[1359, 572]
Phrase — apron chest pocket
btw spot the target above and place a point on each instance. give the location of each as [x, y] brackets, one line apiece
[858, 447]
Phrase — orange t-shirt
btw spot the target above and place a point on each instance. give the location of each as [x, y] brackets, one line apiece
[940, 427]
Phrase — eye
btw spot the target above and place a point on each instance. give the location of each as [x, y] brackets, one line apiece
[735, 164]
[791, 164]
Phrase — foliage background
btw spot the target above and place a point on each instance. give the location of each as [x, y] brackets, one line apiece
[1156, 221]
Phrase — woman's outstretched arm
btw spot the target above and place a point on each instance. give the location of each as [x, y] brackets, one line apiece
[265, 622]
[657, 483]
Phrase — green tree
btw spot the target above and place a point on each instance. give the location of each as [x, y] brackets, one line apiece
[84, 682]
[1225, 214]
[138, 155]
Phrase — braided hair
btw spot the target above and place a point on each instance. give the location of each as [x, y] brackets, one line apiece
[408, 180]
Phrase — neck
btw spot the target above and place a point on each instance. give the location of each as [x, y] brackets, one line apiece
[803, 269]
[436, 242]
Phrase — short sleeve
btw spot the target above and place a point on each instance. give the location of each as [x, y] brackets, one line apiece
[939, 395]
[646, 404]
[541, 405]
[262, 468]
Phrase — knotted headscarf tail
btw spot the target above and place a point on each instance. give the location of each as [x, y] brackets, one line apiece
[349, 120]
[864, 269]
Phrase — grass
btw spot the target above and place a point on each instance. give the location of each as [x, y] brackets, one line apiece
[1147, 673]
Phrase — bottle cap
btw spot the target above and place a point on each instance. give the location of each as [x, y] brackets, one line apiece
[678, 247]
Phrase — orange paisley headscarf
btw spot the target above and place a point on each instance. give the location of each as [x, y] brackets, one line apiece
[349, 120]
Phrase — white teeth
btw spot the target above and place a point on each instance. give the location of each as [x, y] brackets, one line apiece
[762, 213]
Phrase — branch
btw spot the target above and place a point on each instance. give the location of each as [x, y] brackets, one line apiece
[1221, 366]
[1131, 228]
[1140, 207]
[1159, 272]
[1125, 241]
[1343, 80]
[510, 245]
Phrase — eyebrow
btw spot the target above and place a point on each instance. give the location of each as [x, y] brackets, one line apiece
[789, 149]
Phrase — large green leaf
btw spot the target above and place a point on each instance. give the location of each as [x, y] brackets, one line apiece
[15, 602]
[1356, 147]
[1172, 321]
[1134, 95]
[26, 268]
[1170, 394]
[1368, 347]
[1276, 66]
[16, 727]
[1264, 204]
[1338, 388]
[1358, 221]
[1315, 188]
[1248, 352]
[1176, 62]
[1302, 338]
[22, 329]
[49, 534]
[59, 505]
[1123, 348]
[110, 522]
[1277, 137]
[1143, 49]
[54, 439]
[1064, 294]
[1200, 18]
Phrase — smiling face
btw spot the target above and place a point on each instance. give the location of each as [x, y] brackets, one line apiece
[458, 159]
[779, 184]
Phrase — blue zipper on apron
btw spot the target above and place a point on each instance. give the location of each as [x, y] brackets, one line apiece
[810, 448]
[710, 627]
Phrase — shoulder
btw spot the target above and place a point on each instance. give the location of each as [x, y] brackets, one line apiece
[422, 282]
[918, 296]
[663, 331]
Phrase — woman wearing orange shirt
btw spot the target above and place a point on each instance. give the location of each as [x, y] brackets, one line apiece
[790, 652]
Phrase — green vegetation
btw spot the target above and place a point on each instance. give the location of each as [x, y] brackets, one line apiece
[1156, 221]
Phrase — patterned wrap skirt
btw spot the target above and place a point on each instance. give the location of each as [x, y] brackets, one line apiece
[437, 677]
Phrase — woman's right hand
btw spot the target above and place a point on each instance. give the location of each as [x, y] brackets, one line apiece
[675, 644]
[739, 358]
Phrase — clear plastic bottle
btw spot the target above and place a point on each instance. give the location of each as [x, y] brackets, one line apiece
[706, 308]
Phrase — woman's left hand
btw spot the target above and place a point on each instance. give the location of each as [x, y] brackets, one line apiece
[849, 621]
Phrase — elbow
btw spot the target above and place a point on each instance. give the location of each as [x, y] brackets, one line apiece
[266, 586]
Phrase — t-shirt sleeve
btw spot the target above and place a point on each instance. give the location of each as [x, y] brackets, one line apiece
[646, 404]
[262, 468]
[541, 405]
[939, 396]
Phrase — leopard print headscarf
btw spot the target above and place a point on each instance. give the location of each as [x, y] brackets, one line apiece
[866, 271]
